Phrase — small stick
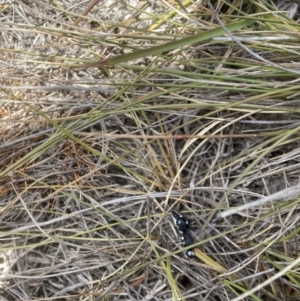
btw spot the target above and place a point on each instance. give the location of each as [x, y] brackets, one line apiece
[78, 20]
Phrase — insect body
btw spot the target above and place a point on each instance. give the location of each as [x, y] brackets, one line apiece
[189, 254]
[183, 228]
[187, 240]
[180, 222]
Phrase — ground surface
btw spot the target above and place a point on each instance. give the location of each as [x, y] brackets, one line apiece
[93, 158]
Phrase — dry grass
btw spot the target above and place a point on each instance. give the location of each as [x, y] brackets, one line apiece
[94, 159]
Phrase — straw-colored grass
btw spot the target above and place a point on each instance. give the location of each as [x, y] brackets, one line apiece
[115, 112]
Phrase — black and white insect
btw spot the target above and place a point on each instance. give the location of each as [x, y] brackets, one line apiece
[183, 228]
[180, 222]
[187, 240]
[189, 254]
